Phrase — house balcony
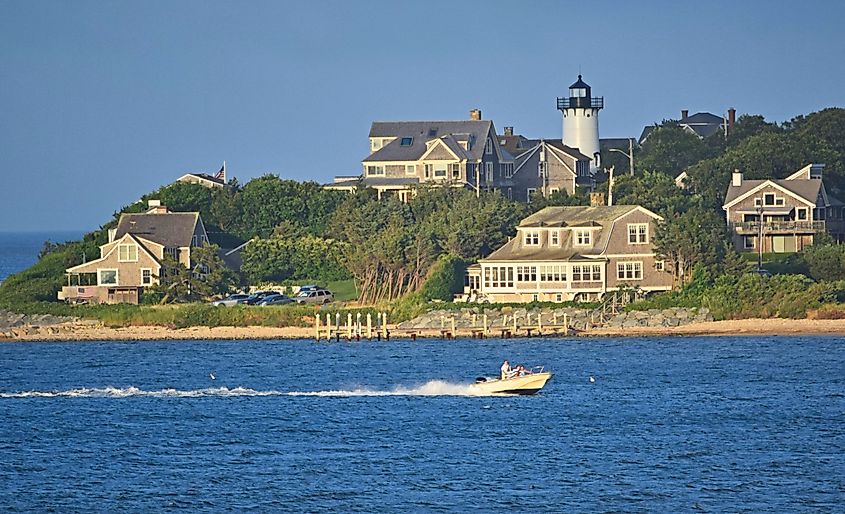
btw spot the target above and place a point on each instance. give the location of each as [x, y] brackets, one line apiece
[778, 227]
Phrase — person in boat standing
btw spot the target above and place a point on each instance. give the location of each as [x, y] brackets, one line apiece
[506, 370]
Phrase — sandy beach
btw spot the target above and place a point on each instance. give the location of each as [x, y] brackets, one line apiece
[93, 332]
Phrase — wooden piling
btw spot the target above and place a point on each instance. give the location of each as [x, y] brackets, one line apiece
[369, 326]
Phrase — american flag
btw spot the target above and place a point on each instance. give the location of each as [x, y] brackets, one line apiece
[221, 175]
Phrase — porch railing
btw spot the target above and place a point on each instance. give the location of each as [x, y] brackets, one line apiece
[769, 227]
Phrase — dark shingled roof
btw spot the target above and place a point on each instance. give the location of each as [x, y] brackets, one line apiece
[174, 229]
[807, 189]
[579, 83]
[702, 118]
[475, 131]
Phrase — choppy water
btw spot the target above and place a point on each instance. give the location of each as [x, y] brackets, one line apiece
[669, 425]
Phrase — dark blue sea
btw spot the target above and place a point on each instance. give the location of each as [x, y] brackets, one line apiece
[19, 250]
[715, 424]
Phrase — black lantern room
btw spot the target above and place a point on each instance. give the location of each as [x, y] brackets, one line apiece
[580, 96]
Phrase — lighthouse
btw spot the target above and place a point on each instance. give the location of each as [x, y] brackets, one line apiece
[581, 121]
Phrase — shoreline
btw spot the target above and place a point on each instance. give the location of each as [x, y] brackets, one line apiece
[76, 332]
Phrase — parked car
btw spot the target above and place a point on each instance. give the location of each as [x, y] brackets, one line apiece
[762, 272]
[318, 295]
[258, 297]
[231, 300]
[276, 299]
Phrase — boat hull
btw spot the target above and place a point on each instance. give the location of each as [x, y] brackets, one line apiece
[526, 384]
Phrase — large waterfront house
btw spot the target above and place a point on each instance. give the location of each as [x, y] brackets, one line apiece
[700, 124]
[573, 253]
[405, 155]
[792, 210]
[542, 167]
[132, 258]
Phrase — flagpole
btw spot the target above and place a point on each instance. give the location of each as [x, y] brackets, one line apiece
[224, 171]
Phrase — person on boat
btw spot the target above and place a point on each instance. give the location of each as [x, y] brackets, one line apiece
[521, 371]
[506, 370]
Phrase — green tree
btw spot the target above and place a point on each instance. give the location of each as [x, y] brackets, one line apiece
[208, 276]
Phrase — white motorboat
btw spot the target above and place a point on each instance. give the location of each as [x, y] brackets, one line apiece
[528, 383]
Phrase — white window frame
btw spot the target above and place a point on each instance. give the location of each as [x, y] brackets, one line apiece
[128, 247]
[509, 170]
[798, 212]
[410, 169]
[150, 282]
[582, 237]
[586, 273]
[441, 172]
[554, 237]
[428, 170]
[455, 170]
[553, 190]
[636, 236]
[749, 242]
[659, 266]
[488, 147]
[529, 192]
[100, 277]
[488, 172]
[526, 274]
[774, 199]
[532, 238]
[375, 171]
[629, 270]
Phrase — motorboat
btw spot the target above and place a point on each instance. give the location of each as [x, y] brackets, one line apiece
[528, 382]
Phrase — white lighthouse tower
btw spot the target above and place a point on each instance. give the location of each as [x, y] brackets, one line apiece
[581, 121]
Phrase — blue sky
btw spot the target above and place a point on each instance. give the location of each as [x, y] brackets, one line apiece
[101, 102]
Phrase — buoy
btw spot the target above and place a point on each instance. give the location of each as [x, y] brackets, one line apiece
[592, 380]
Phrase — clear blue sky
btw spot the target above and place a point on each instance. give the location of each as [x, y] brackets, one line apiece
[101, 102]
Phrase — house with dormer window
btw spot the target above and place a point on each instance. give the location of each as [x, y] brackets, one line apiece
[407, 154]
[782, 215]
[573, 253]
[133, 257]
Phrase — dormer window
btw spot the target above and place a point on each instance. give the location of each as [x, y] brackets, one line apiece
[554, 238]
[406, 141]
[532, 238]
[488, 147]
[582, 237]
[432, 132]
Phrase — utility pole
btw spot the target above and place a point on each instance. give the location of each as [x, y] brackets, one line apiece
[610, 187]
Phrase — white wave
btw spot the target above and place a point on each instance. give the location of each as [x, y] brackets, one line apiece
[432, 388]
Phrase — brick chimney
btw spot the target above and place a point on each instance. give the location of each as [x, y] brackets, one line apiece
[736, 178]
[731, 118]
[596, 199]
[684, 114]
[508, 131]
[475, 114]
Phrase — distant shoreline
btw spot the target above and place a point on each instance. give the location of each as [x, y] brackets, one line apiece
[72, 332]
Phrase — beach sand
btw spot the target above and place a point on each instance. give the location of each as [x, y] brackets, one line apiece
[92, 332]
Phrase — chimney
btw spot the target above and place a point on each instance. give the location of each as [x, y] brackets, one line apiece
[112, 233]
[508, 131]
[731, 118]
[596, 199]
[684, 114]
[155, 207]
[475, 114]
[736, 178]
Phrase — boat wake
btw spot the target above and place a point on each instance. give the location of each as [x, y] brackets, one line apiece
[432, 388]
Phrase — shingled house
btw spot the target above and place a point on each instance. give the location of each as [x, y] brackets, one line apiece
[542, 166]
[132, 258]
[792, 211]
[407, 154]
[573, 253]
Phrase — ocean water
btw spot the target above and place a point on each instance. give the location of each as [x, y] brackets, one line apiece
[721, 424]
[19, 250]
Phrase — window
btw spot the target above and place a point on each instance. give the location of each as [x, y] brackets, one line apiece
[488, 147]
[526, 273]
[553, 273]
[406, 141]
[637, 233]
[510, 193]
[586, 273]
[659, 266]
[507, 169]
[801, 214]
[488, 171]
[629, 270]
[375, 144]
[532, 239]
[535, 297]
[529, 193]
[410, 169]
[748, 242]
[758, 202]
[432, 132]
[554, 237]
[375, 170]
[428, 168]
[553, 190]
[583, 238]
[440, 171]
[558, 297]
[127, 253]
[456, 171]
[146, 277]
[498, 276]
[769, 199]
[172, 252]
[107, 277]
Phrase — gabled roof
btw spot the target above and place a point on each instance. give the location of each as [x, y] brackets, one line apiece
[204, 176]
[473, 131]
[702, 118]
[173, 229]
[808, 189]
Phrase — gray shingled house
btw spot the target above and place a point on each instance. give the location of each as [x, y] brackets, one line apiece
[573, 253]
[132, 258]
[792, 210]
[407, 154]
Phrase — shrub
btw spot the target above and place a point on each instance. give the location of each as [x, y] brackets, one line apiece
[445, 279]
